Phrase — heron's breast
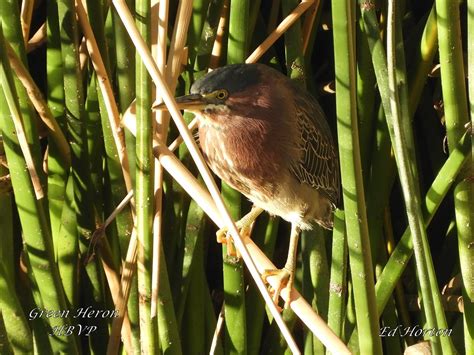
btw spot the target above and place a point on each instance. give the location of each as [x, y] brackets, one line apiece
[240, 159]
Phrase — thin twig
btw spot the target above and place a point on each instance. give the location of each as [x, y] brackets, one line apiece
[107, 92]
[217, 47]
[309, 23]
[40, 105]
[280, 30]
[193, 125]
[38, 39]
[128, 269]
[26, 15]
[217, 331]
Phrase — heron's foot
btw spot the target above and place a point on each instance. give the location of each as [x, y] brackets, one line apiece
[285, 279]
[244, 226]
[224, 237]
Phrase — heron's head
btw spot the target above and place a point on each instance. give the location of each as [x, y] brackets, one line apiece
[233, 90]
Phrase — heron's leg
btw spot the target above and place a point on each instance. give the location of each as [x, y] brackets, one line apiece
[244, 225]
[286, 275]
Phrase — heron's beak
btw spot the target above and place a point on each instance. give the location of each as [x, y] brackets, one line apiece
[194, 102]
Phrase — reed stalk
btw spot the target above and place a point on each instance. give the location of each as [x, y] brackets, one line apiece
[144, 186]
[32, 212]
[352, 183]
[456, 117]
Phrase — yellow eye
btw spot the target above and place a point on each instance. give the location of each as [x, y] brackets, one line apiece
[222, 94]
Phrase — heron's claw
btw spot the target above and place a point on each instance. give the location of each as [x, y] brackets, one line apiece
[223, 237]
[284, 281]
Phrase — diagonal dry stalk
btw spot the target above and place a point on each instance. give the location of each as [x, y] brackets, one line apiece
[309, 23]
[38, 39]
[106, 89]
[217, 47]
[159, 21]
[44, 112]
[26, 16]
[280, 30]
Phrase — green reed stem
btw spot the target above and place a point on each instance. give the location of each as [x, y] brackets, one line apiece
[338, 282]
[456, 116]
[32, 212]
[16, 325]
[123, 57]
[264, 235]
[234, 285]
[144, 186]
[294, 45]
[75, 98]
[399, 258]
[402, 139]
[352, 184]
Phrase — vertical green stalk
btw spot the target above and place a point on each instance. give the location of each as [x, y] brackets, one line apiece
[33, 215]
[352, 184]
[75, 98]
[234, 285]
[337, 283]
[144, 186]
[469, 306]
[125, 86]
[365, 104]
[402, 139]
[294, 45]
[16, 325]
[265, 234]
[198, 19]
[399, 258]
[125, 83]
[456, 116]
[57, 173]
[315, 280]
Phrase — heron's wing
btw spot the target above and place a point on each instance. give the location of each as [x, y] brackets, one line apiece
[318, 164]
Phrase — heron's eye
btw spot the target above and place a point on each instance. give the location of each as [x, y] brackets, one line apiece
[222, 94]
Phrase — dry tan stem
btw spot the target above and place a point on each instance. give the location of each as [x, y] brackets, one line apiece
[173, 69]
[159, 23]
[25, 149]
[454, 285]
[40, 105]
[116, 292]
[128, 269]
[106, 90]
[217, 331]
[117, 133]
[176, 143]
[451, 303]
[38, 39]
[118, 209]
[217, 47]
[25, 16]
[178, 42]
[308, 23]
[282, 27]
[169, 100]
[83, 56]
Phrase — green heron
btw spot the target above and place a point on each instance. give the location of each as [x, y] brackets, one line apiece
[269, 139]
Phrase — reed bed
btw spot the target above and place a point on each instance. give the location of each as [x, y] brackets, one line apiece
[109, 212]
